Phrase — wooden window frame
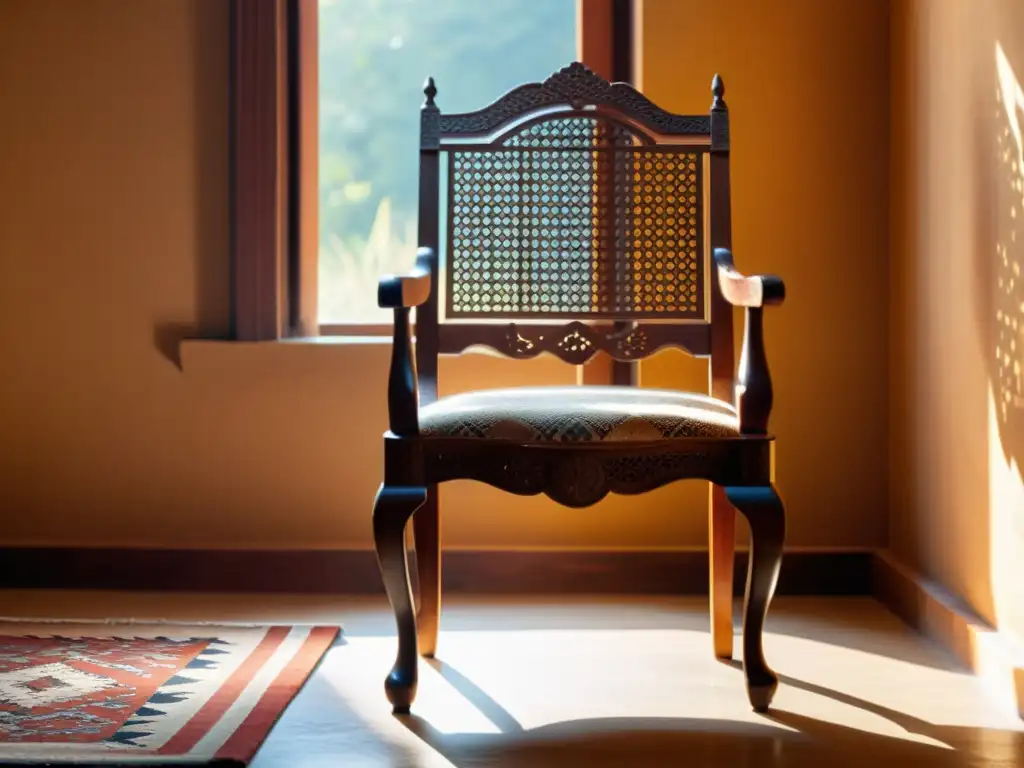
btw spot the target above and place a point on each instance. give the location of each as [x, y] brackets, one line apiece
[274, 132]
[274, 162]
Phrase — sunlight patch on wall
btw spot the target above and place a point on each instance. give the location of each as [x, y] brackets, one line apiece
[1006, 397]
[1010, 197]
[1006, 525]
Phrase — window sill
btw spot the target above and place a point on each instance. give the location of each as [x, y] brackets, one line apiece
[357, 329]
[203, 354]
[341, 340]
[317, 341]
[200, 353]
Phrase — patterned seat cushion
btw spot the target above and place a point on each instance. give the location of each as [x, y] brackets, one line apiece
[578, 414]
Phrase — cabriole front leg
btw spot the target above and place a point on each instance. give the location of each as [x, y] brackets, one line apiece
[763, 509]
[392, 509]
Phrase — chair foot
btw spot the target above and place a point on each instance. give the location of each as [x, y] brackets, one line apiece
[400, 689]
[391, 511]
[763, 509]
[427, 636]
[761, 696]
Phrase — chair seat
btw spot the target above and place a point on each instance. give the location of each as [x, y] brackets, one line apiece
[578, 414]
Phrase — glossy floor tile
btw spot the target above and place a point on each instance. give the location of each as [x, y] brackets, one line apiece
[607, 682]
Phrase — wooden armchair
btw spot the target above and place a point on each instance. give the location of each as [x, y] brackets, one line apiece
[578, 216]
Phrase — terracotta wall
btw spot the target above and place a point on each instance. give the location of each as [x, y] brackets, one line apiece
[957, 300]
[114, 238]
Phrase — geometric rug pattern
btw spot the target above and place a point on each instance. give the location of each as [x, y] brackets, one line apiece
[132, 694]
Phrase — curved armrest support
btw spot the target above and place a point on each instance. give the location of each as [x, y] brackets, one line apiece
[753, 381]
[742, 291]
[401, 293]
[406, 291]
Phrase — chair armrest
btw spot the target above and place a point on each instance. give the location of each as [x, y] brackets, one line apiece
[742, 291]
[401, 293]
[407, 291]
[754, 394]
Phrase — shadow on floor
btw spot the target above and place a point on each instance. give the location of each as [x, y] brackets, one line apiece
[860, 626]
[785, 738]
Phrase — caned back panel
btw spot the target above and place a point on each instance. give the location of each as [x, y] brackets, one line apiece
[575, 215]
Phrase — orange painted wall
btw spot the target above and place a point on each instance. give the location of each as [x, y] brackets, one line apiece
[113, 231]
[957, 300]
[809, 130]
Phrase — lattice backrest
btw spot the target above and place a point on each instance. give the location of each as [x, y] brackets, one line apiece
[572, 198]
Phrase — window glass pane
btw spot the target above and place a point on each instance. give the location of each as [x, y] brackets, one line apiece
[374, 58]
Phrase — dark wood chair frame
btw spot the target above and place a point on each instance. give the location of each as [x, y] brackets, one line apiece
[741, 468]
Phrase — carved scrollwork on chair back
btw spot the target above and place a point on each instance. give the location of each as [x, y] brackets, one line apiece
[629, 344]
[576, 86]
[519, 345]
[576, 342]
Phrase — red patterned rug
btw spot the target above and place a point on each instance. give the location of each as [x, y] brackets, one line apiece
[126, 694]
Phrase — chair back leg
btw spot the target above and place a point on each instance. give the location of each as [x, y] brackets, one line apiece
[721, 555]
[427, 535]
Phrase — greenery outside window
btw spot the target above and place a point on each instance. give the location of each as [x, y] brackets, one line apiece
[374, 56]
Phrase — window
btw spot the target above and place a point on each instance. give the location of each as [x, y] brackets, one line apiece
[374, 56]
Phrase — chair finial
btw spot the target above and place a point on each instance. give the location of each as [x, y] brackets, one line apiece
[718, 89]
[430, 91]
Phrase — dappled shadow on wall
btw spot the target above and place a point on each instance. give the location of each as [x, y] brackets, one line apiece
[1002, 270]
[1008, 354]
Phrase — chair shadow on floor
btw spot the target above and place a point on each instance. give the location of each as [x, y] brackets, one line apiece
[860, 626]
[785, 738]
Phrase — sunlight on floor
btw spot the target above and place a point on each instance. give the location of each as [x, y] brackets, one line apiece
[537, 682]
[512, 682]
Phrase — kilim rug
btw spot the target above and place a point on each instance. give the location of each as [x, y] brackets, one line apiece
[147, 694]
